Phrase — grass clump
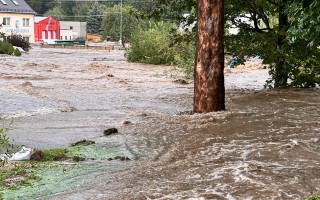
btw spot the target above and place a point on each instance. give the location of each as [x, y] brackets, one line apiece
[16, 175]
[314, 197]
[49, 155]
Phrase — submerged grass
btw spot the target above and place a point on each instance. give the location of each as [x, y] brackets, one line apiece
[57, 170]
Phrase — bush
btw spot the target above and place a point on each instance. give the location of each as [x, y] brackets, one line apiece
[6, 48]
[17, 52]
[184, 57]
[151, 46]
[315, 197]
[5, 145]
[18, 41]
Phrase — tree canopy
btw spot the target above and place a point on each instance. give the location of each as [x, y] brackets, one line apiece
[285, 34]
[94, 20]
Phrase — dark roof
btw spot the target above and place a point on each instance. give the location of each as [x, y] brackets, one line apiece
[9, 6]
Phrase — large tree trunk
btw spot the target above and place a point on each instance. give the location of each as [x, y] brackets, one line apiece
[281, 73]
[209, 91]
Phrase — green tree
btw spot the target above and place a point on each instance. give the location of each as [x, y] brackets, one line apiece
[111, 23]
[94, 19]
[152, 46]
[80, 11]
[56, 12]
[285, 34]
[41, 6]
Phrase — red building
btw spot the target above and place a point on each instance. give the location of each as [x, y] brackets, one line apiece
[46, 28]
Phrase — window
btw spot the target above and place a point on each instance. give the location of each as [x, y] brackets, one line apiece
[26, 22]
[3, 2]
[6, 21]
[61, 37]
[71, 27]
[66, 37]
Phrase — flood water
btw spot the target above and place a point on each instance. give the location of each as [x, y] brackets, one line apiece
[266, 145]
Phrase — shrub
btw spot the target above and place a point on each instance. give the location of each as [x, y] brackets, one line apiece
[6, 48]
[151, 46]
[184, 57]
[17, 52]
[315, 197]
[5, 145]
[17, 40]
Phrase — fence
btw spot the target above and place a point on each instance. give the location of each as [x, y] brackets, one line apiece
[61, 46]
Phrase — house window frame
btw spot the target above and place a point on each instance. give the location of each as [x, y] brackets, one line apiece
[6, 21]
[26, 22]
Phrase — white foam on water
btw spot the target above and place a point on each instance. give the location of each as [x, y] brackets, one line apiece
[15, 105]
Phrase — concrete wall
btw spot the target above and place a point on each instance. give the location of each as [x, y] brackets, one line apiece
[16, 25]
[73, 29]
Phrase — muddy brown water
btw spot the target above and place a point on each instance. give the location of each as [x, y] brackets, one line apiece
[266, 145]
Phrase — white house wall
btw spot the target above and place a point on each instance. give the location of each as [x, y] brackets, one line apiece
[16, 25]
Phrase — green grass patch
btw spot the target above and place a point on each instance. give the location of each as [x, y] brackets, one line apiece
[315, 197]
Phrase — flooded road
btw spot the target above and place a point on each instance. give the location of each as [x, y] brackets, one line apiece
[265, 146]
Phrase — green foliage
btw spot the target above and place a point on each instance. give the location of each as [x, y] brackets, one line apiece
[94, 20]
[285, 34]
[80, 10]
[111, 23]
[20, 175]
[56, 12]
[315, 197]
[17, 52]
[18, 41]
[5, 145]
[152, 45]
[6, 48]
[54, 154]
[183, 43]
[305, 21]
[41, 6]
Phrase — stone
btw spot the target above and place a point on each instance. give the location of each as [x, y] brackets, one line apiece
[110, 131]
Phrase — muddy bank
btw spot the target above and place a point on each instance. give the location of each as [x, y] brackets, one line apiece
[264, 146]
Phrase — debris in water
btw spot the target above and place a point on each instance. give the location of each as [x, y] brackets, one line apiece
[127, 122]
[83, 142]
[110, 131]
[22, 155]
[181, 81]
[78, 159]
[121, 158]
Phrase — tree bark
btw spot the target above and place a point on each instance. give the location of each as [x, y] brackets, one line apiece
[281, 74]
[209, 89]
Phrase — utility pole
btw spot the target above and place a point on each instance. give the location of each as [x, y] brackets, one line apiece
[121, 23]
[209, 90]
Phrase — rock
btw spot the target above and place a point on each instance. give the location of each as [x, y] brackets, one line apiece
[110, 75]
[83, 142]
[127, 122]
[181, 81]
[110, 131]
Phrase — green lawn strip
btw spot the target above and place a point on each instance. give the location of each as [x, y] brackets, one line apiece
[56, 170]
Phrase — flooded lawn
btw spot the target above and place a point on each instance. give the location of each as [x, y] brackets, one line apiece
[266, 145]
